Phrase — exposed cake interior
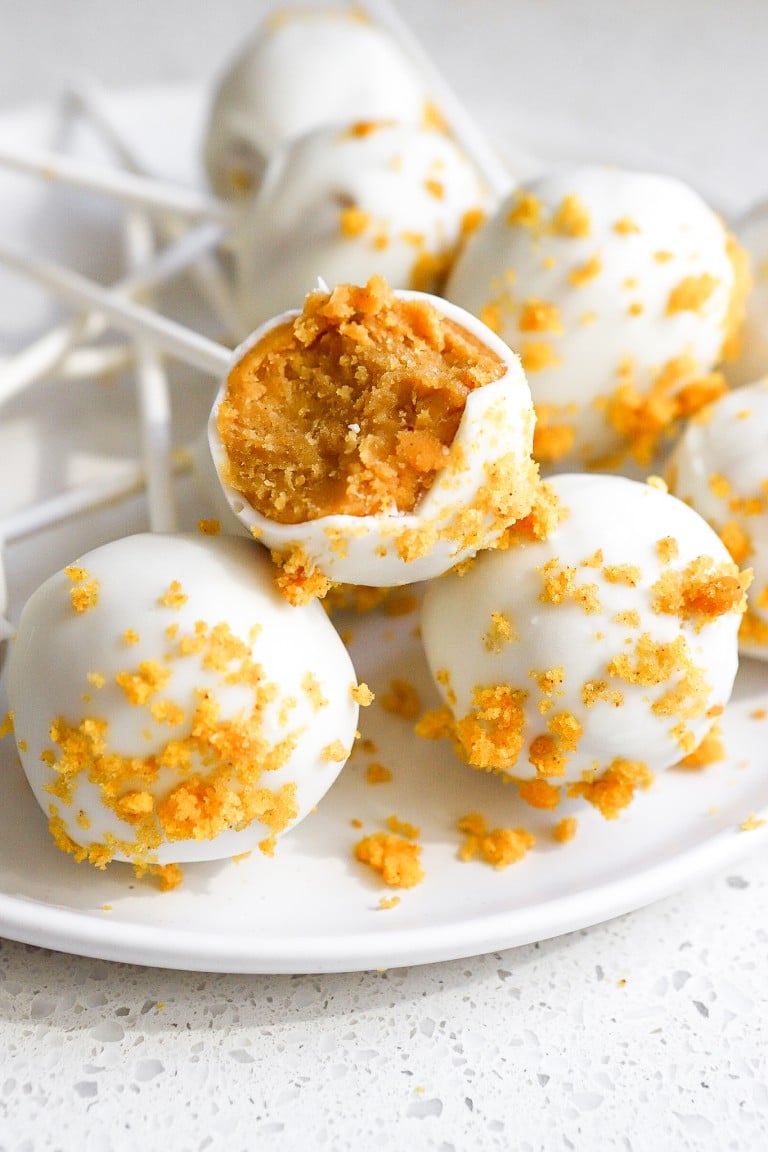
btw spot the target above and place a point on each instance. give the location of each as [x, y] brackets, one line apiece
[351, 407]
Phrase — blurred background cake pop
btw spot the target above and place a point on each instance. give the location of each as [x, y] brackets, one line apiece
[720, 468]
[622, 291]
[349, 201]
[302, 69]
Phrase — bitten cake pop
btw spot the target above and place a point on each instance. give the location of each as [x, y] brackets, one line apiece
[720, 468]
[376, 437]
[621, 291]
[347, 202]
[170, 706]
[594, 657]
[303, 69]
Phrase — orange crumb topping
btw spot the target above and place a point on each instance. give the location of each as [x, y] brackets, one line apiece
[210, 527]
[362, 695]
[572, 218]
[334, 753]
[539, 316]
[499, 847]
[395, 859]
[131, 636]
[402, 699]
[565, 829]
[586, 272]
[168, 876]
[536, 355]
[525, 212]
[6, 728]
[312, 688]
[737, 540]
[84, 596]
[628, 574]
[553, 436]
[543, 519]
[174, 597]
[710, 750]
[599, 691]
[387, 902]
[702, 592]
[614, 789]
[297, 578]
[751, 824]
[667, 549]
[539, 793]
[490, 736]
[642, 418]
[500, 632]
[625, 226]
[691, 294]
[197, 784]
[353, 221]
[378, 774]
[403, 828]
[348, 408]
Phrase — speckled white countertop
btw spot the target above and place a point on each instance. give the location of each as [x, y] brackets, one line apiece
[644, 1033]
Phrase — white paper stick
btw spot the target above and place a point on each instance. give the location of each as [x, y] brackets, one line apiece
[153, 396]
[41, 357]
[86, 96]
[83, 499]
[461, 124]
[172, 338]
[135, 191]
[94, 363]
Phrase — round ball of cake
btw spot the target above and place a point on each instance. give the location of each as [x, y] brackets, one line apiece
[595, 656]
[751, 362]
[621, 291]
[720, 468]
[345, 203]
[170, 706]
[303, 69]
[375, 438]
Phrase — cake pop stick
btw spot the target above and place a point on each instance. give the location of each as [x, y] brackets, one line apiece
[43, 355]
[138, 191]
[87, 97]
[461, 124]
[153, 395]
[171, 337]
[83, 499]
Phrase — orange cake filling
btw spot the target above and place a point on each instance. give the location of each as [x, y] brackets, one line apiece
[351, 407]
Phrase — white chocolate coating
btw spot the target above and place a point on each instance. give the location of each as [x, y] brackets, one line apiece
[346, 202]
[303, 69]
[752, 361]
[226, 582]
[720, 468]
[605, 266]
[583, 633]
[454, 518]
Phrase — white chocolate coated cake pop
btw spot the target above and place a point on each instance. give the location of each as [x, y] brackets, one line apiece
[621, 291]
[720, 468]
[170, 706]
[377, 437]
[592, 658]
[346, 203]
[301, 70]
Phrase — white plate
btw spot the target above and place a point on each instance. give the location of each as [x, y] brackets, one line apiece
[312, 907]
